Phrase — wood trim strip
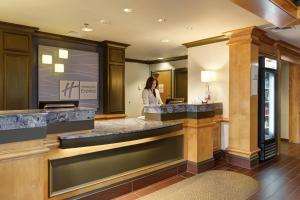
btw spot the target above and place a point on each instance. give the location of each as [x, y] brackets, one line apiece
[137, 61]
[242, 152]
[149, 62]
[109, 116]
[65, 38]
[202, 42]
[169, 59]
[17, 27]
[287, 6]
[115, 44]
[23, 153]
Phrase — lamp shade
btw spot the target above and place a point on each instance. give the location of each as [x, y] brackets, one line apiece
[208, 76]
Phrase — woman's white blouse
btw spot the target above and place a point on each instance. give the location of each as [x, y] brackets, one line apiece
[150, 99]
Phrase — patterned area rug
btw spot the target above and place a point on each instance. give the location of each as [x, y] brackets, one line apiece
[210, 185]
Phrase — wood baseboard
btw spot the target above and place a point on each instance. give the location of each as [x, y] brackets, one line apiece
[196, 168]
[242, 162]
[284, 140]
[219, 154]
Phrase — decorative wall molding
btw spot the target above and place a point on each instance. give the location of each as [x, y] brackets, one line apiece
[148, 62]
[211, 40]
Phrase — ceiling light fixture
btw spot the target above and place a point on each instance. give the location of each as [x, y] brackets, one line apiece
[165, 40]
[105, 21]
[127, 10]
[189, 28]
[46, 59]
[160, 20]
[160, 58]
[86, 28]
[59, 68]
[63, 53]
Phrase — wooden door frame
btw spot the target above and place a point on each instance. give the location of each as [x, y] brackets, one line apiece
[171, 81]
[178, 70]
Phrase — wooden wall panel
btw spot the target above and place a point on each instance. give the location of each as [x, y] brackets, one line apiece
[1, 74]
[294, 103]
[112, 71]
[116, 91]
[16, 81]
[16, 42]
[116, 55]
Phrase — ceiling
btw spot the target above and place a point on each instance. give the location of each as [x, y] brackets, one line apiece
[289, 34]
[139, 28]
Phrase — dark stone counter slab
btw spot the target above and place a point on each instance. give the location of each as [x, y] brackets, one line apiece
[22, 125]
[20, 119]
[119, 130]
[181, 111]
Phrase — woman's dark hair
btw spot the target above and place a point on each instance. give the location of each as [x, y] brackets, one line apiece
[149, 84]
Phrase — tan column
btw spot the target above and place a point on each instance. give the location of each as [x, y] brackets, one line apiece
[243, 107]
[199, 143]
[22, 170]
[294, 103]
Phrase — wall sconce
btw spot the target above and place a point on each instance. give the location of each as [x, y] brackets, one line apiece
[207, 77]
[62, 53]
[59, 68]
[46, 59]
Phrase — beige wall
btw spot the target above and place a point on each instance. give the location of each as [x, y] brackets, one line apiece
[210, 57]
[284, 100]
[168, 65]
[136, 75]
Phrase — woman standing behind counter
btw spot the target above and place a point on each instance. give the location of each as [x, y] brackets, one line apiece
[150, 94]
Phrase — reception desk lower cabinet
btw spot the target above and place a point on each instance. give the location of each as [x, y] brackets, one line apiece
[102, 160]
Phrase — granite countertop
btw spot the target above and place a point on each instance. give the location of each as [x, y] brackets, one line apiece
[37, 118]
[118, 130]
[181, 108]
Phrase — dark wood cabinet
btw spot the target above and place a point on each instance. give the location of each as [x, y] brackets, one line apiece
[116, 90]
[16, 42]
[113, 72]
[16, 81]
[15, 66]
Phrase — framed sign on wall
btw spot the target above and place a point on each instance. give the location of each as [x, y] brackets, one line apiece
[69, 90]
[88, 90]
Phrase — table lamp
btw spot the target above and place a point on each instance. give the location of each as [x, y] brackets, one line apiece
[207, 77]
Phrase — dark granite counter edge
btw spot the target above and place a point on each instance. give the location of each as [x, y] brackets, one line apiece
[182, 115]
[117, 137]
[25, 134]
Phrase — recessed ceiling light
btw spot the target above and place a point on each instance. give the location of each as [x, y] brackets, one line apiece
[160, 58]
[165, 40]
[127, 10]
[105, 21]
[86, 28]
[160, 20]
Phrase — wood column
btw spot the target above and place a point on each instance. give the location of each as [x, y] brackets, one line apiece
[22, 170]
[294, 103]
[199, 143]
[243, 107]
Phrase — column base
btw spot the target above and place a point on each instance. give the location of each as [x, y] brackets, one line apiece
[196, 168]
[248, 163]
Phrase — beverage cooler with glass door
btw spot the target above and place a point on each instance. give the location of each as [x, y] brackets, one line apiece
[267, 108]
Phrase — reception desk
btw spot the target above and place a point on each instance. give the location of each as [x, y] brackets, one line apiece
[65, 154]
